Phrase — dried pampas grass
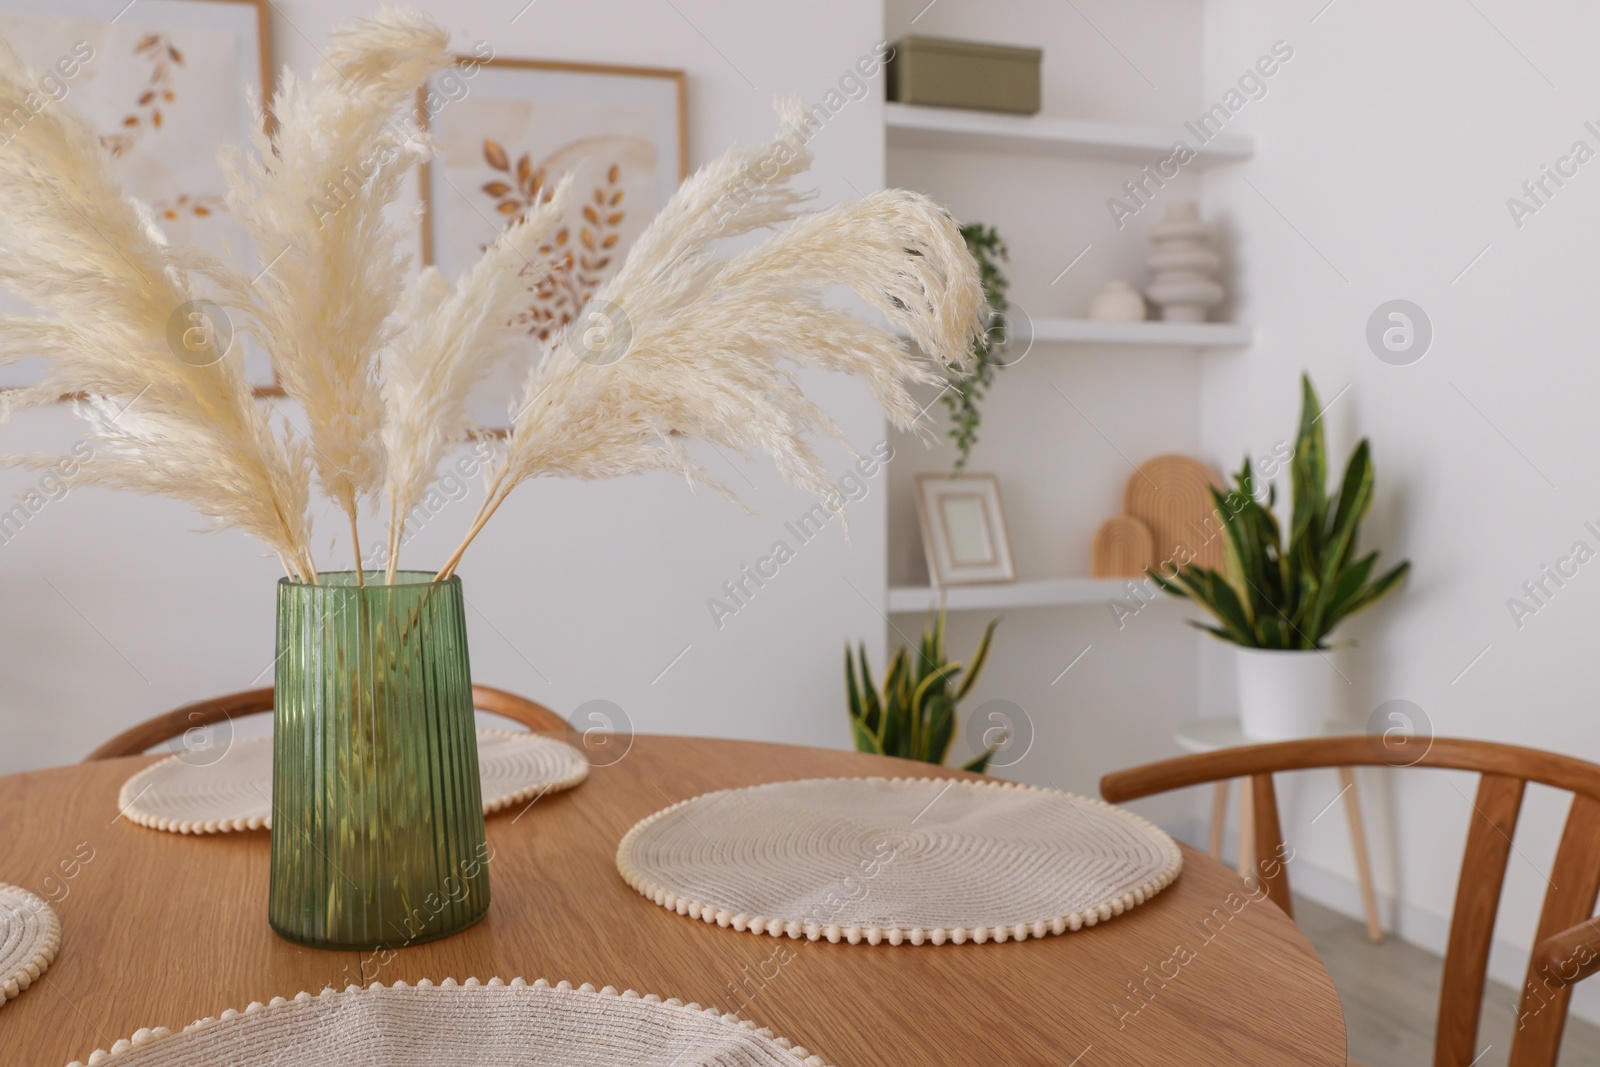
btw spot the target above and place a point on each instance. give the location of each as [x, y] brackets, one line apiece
[708, 350]
[680, 345]
[313, 199]
[447, 340]
[175, 418]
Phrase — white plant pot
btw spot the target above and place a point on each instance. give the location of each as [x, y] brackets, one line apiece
[1284, 695]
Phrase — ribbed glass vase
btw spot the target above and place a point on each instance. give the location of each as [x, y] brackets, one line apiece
[377, 814]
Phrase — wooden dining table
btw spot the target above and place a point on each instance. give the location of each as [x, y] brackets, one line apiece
[160, 929]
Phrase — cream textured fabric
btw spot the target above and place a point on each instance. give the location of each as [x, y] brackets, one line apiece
[466, 1025]
[922, 860]
[30, 933]
[235, 792]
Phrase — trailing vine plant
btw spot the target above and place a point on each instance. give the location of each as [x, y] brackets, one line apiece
[965, 392]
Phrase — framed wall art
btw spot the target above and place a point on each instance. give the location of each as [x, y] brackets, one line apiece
[164, 81]
[964, 529]
[506, 131]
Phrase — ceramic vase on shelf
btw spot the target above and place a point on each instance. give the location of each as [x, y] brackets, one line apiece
[1183, 264]
[377, 813]
[1284, 695]
[1117, 301]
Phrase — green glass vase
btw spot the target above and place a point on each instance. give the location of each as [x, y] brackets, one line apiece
[377, 813]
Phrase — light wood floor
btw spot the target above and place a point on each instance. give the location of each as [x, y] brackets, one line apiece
[1391, 995]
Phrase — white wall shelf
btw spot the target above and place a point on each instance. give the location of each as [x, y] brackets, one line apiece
[1173, 334]
[1039, 593]
[947, 128]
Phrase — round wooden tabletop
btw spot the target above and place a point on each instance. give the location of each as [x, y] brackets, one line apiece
[161, 929]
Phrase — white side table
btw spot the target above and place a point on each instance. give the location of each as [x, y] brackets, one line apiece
[1208, 735]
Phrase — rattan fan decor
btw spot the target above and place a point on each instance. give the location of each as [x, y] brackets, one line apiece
[1171, 494]
[1123, 548]
[30, 934]
[463, 1024]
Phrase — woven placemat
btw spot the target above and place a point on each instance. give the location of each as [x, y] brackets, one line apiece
[235, 791]
[923, 860]
[30, 934]
[464, 1025]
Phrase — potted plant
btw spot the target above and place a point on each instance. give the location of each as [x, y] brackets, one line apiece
[914, 716]
[377, 819]
[1279, 602]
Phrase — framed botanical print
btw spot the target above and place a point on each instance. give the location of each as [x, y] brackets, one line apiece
[506, 131]
[164, 81]
[964, 529]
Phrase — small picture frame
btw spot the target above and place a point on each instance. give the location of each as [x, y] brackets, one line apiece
[964, 529]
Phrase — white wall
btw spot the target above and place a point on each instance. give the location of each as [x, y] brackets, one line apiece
[1388, 148]
[118, 609]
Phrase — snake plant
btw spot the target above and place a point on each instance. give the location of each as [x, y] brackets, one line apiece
[1272, 595]
[914, 716]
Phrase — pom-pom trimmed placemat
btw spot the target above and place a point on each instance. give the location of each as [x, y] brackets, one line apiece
[30, 934]
[235, 792]
[463, 1025]
[924, 860]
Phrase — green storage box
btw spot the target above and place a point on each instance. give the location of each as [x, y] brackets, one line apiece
[939, 72]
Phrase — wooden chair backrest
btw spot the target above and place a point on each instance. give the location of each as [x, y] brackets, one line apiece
[1567, 944]
[175, 723]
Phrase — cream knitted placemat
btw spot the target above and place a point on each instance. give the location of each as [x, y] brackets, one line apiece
[923, 860]
[463, 1025]
[30, 933]
[235, 792]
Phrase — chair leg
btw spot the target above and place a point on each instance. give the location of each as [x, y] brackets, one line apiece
[1358, 845]
[1219, 816]
[1247, 834]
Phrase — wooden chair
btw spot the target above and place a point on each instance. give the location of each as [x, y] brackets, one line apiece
[151, 732]
[1567, 945]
